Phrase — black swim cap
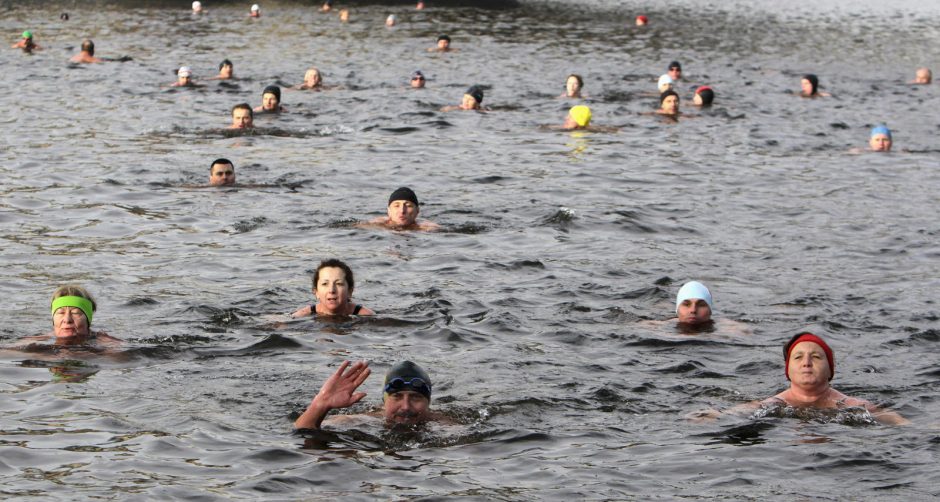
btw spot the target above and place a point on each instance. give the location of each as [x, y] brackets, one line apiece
[675, 64]
[402, 377]
[814, 80]
[443, 37]
[707, 95]
[224, 63]
[476, 92]
[666, 94]
[403, 193]
[272, 89]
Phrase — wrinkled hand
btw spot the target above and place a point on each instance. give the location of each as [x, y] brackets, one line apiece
[339, 391]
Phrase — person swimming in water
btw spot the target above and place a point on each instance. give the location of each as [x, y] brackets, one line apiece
[197, 7]
[221, 173]
[242, 117]
[271, 100]
[73, 308]
[880, 139]
[642, 20]
[390, 20]
[665, 83]
[26, 43]
[573, 86]
[184, 78]
[923, 76]
[87, 55]
[255, 11]
[344, 15]
[402, 213]
[472, 100]
[406, 397]
[704, 96]
[443, 45]
[669, 104]
[417, 80]
[579, 117]
[809, 87]
[327, 6]
[313, 80]
[226, 71]
[333, 285]
[674, 70]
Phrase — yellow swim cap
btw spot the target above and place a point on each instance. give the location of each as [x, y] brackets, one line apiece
[581, 115]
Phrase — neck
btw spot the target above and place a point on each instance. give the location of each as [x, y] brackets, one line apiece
[806, 396]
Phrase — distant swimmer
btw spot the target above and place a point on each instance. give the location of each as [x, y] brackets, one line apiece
[665, 83]
[184, 78]
[87, 55]
[642, 20]
[406, 397]
[443, 45]
[221, 173]
[704, 96]
[255, 11]
[674, 70]
[271, 100]
[344, 15]
[420, 5]
[809, 87]
[472, 100]
[417, 80]
[579, 117]
[390, 20]
[327, 6]
[242, 117]
[669, 104]
[313, 81]
[226, 71]
[26, 43]
[402, 213]
[333, 285]
[923, 76]
[197, 7]
[880, 139]
[573, 86]
[695, 310]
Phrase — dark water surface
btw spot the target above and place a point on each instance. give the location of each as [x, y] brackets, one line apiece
[530, 310]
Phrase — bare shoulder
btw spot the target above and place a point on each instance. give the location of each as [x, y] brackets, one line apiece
[428, 226]
[366, 311]
[303, 311]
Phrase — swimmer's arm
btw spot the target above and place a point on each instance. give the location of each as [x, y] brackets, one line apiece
[886, 417]
[713, 414]
[338, 391]
[429, 226]
[366, 311]
[303, 312]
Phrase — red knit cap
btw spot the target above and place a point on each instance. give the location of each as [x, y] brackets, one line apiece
[808, 337]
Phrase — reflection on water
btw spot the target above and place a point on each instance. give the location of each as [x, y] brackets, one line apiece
[541, 309]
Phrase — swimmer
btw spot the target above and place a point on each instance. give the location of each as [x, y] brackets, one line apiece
[333, 284]
[704, 96]
[26, 43]
[579, 117]
[694, 313]
[642, 20]
[72, 310]
[809, 87]
[406, 396]
[417, 80]
[390, 20]
[221, 173]
[184, 78]
[402, 213]
[420, 5]
[472, 100]
[675, 71]
[242, 117]
[665, 83]
[669, 104]
[270, 100]
[88, 53]
[226, 71]
[197, 7]
[443, 45]
[327, 6]
[880, 139]
[344, 15]
[573, 85]
[255, 11]
[922, 77]
[312, 80]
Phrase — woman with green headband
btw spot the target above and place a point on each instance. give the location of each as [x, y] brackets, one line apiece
[73, 308]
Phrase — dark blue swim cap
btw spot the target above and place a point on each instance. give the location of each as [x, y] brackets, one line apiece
[272, 89]
[403, 193]
[407, 375]
[476, 92]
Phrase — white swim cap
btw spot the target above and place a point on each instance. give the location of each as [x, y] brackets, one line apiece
[197, 5]
[693, 290]
[255, 7]
[665, 79]
[184, 71]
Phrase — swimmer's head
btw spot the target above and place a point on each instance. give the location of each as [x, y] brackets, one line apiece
[675, 70]
[669, 102]
[704, 96]
[807, 337]
[693, 290]
[573, 85]
[403, 193]
[28, 35]
[665, 82]
[923, 76]
[312, 77]
[642, 20]
[809, 84]
[74, 296]
[390, 20]
[221, 173]
[580, 115]
[476, 93]
[270, 97]
[224, 63]
[880, 139]
[197, 6]
[226, 69]
[417, 79]
[88, 46]
[255, 8]
[407, 375]
[443, 42]
[242, 116]
[184, 71]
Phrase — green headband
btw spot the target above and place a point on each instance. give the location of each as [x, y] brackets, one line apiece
[74, 301]
[27, 34]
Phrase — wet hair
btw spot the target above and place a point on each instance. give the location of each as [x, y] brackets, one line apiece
[88, 46]
[272, 89]
[73, 290]
[443, 37]
[666, 94]
[220, 161]
[707, 95]
[244, 106]
[333, 262]
[577, 77]
[813, 80]
[476, 92]
[224, 63]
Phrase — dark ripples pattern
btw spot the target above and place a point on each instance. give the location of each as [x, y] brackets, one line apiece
[536, 308]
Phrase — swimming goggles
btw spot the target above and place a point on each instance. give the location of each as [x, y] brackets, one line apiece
[417, 384]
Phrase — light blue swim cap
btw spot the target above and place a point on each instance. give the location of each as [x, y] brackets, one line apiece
[693, 290]
[882, 129]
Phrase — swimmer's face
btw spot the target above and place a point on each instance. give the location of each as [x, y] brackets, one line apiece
[573, 87]
[469, 103]
[241, 119]
[697, 99]
[923, 76]
[671, 104]
[312, 78]
[226, 71]
[269, 101]
[675, 73]
[344, 15]
[222, 175]
[880, 143]
[665, 87]
[808, 365]
[406, 407]
[417, 82]
[332, 291]
[807, 87]
[694, 311]
[402, 213]
[444, 44]
[68, 322]
[184, 80]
